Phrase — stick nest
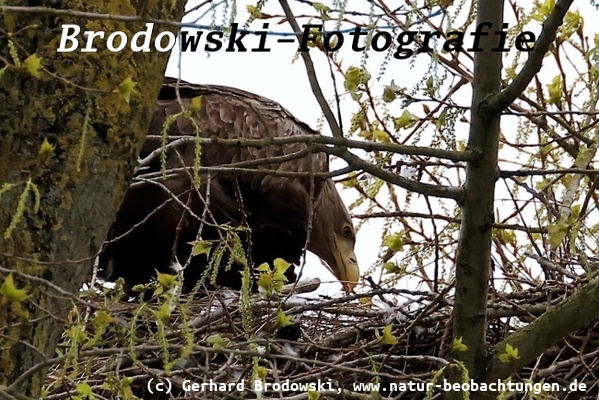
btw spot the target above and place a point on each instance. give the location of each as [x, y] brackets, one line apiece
[113, 349]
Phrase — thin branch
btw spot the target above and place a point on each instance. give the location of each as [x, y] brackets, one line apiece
[453, 220]
[455, 156]
[354, 161]
[531, 341]
[229, 169]
[546, 264]
[311, 71]
[448, 192]
[533, 65]
[97, 16]
[531, 172]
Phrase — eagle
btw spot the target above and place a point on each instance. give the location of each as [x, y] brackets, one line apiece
[263, 201]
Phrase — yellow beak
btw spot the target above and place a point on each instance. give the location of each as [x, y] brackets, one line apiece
[345, 267]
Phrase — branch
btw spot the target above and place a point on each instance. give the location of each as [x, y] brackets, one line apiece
[503, 174]
[231, 169]
[310, 70]
[453, 220]
[93, 15]
[503, 99]
[572, 314]
[454, 156]
[340, 150]
[548, 265]
[474, 246]
[448, 192]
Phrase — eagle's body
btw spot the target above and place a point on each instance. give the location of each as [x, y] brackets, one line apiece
[159, 218]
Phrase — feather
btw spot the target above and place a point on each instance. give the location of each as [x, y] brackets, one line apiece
[159, 217]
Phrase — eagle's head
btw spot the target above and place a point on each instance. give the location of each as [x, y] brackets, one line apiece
[333, 236]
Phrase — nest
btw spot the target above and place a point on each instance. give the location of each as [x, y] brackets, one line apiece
[322, 348]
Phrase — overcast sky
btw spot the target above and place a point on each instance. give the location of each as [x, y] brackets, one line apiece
[281, 76]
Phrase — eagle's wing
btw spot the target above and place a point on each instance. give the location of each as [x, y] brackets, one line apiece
[229, 113]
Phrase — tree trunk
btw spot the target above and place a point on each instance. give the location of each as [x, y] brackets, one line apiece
[76, 105]
[474, 247]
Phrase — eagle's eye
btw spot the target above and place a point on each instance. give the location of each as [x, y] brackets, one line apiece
[346, 232]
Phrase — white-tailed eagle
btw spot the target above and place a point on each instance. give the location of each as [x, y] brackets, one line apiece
[160, 218]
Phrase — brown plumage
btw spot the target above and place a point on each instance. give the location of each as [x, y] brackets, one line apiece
[159, 218]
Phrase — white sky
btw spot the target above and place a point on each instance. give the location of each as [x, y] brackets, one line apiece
[280, 76]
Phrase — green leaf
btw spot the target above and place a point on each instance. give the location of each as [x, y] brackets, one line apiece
[458, 345]
[264, 282]
[394, 242]
[442, 120]
[351, 180]
[355, 77]
[576, 208]
[430, 86]
[543, 184]
[201, 247]
[10, 291]
[33, 64]
[261, 372]
[138, 288]
[312, 395]
[584, 154]
[572, 22]
[547, 148]
[380, 136]
[102, 318]
[283, 320]
[322, 10]
[278, 281]
[126, 87]
[366, 134]
[405, 121]
[263, 267]
[167, 281]
[387, 336]
[358, 121]
[281, 265]
[254, 12]
[195, 105]
[216, 341]
[164, 312]
[46, 149]
[84, 389]
[509, 236]
[541, 13]
[555, 89]
[321, 7]
[557, 233]
[317, 35]
[271, 281]
[390, 92]
[510, 354]
[391, 268]
[76, 333]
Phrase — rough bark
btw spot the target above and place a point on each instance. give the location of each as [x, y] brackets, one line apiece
[474, 247]
[58, 243]
[531, 341]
